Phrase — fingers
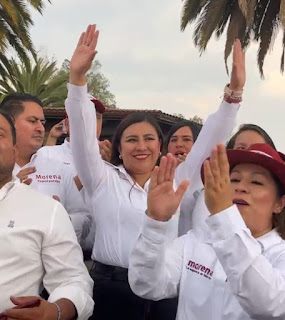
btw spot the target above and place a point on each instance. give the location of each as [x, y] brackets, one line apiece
[223, 162]
[153, 178]
[182, 189]
[168, 169]
[81, 39]
[26, 302]
[208, 177]
[55, 197]
[214, 165]
[162, 168]
[27, 181]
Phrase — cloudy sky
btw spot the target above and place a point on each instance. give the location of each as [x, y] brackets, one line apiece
[151, 64]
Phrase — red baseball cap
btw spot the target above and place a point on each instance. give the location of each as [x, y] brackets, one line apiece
[99, 106]
[261, 154]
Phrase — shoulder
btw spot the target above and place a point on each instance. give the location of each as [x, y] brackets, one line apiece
[29, 197]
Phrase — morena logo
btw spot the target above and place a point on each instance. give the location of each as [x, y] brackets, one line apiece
[199, 269]
[48, 178]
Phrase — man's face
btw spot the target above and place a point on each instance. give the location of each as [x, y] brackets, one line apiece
[30, 128]
[99, 119]
[7, 149]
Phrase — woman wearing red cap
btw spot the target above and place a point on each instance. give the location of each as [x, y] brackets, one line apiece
[237, 269]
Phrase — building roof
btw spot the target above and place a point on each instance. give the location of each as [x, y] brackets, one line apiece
[117, 113]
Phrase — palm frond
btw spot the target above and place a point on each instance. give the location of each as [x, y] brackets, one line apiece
[243, 5]
[190, 11]
[208, 20]
[282, 13]
[248, 20]
[268, 32]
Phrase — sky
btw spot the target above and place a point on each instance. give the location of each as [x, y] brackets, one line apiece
[151, 64]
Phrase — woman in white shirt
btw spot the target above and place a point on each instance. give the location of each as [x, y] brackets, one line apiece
[237, 270]
[118, 190]
[181, 138]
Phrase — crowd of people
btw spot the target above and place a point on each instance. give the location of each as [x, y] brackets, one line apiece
[143, 228]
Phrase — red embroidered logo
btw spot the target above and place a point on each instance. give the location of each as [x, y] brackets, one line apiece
[48, 178]
[199, 269]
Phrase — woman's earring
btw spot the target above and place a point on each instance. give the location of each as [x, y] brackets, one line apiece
[160, 154]
[120, 157]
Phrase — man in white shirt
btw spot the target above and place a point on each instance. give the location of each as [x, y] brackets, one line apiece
[50, 177]
[38, 248]
[63, 151]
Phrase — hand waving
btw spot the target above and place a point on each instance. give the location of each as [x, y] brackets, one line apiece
[83, 55]
[217, 181]
[162, 200]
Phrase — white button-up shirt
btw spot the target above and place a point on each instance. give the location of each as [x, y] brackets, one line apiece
[56, 179]
[39, 248]
[61, 153]
[226, 275]
[119, 203]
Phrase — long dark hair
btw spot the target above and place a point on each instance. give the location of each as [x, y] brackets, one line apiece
[135, 117]
[250, 127]
[279, 219]
[194, 127]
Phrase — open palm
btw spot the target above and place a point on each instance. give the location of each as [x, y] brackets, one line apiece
[163, 201]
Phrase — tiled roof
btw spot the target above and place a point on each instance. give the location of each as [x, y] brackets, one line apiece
[117, 113]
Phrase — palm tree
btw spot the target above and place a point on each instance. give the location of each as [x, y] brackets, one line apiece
[42, 79]
[248, 20]
[15, 20]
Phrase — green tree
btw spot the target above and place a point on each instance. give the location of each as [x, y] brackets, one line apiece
[98, 84]
[42, 79]
[257, 20]
[197, 120]
[15, 20]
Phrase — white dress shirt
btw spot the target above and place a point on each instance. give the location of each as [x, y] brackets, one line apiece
[55, 179]
[39, 248]
[226, 275]
[119, 204]
[217, 129]
[63, 153]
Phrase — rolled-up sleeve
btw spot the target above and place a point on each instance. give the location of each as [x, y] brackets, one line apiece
[155, 265]
[65, 273]
[257, 282]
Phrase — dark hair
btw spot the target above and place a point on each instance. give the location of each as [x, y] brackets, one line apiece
[133, 118]
[11, 123]
[279, 219]
[194, 127]
[12, 104]
[250, 127]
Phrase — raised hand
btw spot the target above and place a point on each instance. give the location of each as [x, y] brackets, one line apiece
[56, 132]
[83, 55]
[162, 200]
[238, 75]
[218, 196]
[105, 150]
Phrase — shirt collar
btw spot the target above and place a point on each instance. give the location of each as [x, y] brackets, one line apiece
[125, 175]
